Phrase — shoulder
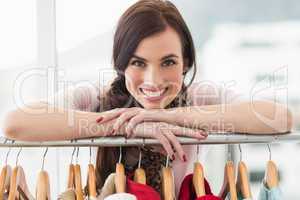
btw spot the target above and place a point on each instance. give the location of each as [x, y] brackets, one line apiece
[208, 93]
[81, 96]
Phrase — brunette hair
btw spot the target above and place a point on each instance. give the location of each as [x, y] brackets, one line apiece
[141, 20]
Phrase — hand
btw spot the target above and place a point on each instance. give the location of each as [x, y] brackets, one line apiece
[136, 115]
[166, 134]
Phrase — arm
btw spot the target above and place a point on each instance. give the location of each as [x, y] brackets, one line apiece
[53, 124]
[258, 117]
[70, 117]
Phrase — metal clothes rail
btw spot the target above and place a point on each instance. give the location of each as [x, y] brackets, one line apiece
[213, 138]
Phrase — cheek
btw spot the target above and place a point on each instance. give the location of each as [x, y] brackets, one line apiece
[132, 79]
[176, 80]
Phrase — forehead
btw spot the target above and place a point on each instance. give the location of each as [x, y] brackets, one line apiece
[160, 44]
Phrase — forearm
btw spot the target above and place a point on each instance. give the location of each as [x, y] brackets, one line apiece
[52, 124]
[263, 117]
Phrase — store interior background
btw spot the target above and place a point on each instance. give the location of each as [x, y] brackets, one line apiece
[251, 45]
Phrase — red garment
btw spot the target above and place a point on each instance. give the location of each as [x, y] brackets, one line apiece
[141, 191]
[209, 197]
[187, 190]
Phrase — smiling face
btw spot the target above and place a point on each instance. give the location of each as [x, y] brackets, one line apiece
[154, 75]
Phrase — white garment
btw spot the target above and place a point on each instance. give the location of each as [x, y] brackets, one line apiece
[119, 196]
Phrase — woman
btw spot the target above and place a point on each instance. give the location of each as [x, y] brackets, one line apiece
[152, 52]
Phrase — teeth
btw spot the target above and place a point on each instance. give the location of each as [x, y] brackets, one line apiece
[153, 94]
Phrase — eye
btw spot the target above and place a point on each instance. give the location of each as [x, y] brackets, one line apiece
[138, 63]
[168, 62]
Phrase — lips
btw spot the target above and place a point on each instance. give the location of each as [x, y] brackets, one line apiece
[153, 95]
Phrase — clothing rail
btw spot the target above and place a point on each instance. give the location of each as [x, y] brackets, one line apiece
[213, 138]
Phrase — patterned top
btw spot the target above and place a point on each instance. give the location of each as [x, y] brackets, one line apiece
[151, 162]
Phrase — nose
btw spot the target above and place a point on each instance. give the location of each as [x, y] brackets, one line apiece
[154, 76]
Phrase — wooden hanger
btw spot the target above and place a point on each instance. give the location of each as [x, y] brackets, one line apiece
[91, 179]
[5, 176]
[271, 175]
[168, 189]
[77, 178]
[139, 173]
[43, 185]
[140, 176]
[242, 184]
[229, 182]
[18, 185]
[198, 177]
[5, 180]
[120, 177]
[71, 176]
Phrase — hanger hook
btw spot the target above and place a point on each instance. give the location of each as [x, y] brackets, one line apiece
[9, 149]
[120, 155]
[90, 160]
[167, 161]
[198, 152]
[77, 153]
[140, 157]
[140, 154]
[18, 156]
[74, 149]
[44, 156]
[228, 153]
[270, 152]
[240, 148]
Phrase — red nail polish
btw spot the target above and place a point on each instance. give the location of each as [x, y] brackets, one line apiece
[113, 132]
[99, 119]
[204, 134]
[184, 158]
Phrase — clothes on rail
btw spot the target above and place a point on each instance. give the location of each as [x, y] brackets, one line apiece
[151, 162]
[187, 190]
[140, 191]
[119, 196]
[270, 194]
[239, 197]
[13, 184]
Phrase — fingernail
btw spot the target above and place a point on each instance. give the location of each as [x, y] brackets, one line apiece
[113, 132]
[184, 158]
[173, 157]
[99, 119]
[204, 133]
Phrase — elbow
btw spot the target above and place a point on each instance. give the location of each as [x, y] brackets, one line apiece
[10, 126]
[289, 120]
[272, 117]
[283, 119]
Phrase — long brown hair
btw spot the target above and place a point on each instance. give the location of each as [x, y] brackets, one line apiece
[141, 20]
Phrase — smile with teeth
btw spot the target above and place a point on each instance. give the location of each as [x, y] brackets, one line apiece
[153, 94]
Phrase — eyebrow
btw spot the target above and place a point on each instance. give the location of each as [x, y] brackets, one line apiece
[163, 58]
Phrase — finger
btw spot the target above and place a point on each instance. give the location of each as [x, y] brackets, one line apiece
[134, 121]
[109, 115]
[123, 118]
[187, 132]
[165, 143]
[175, 143]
